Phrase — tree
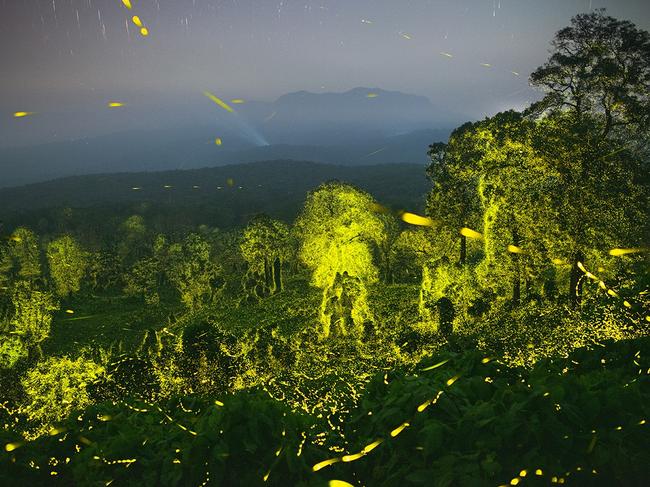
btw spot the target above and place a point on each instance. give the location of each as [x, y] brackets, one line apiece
[339, 230]
[29, 324]
[453, 201]
[597, 82]
[191, 270]
[57, 386]
[598, 65]
[147, 275]
[264, 246]
[20, 258]
[68, 263]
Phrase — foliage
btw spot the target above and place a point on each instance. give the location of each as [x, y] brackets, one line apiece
[598, 65]
[461, 419]
[68, 263]
[236, 440]
[57, 386]
[470, 420]
[339, 229]
[20, 258]
[265, 247]
[29, 325]
[192, 271]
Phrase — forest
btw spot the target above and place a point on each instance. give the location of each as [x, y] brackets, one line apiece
[497, 335]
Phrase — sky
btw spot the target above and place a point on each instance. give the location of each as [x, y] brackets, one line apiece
[66, 59]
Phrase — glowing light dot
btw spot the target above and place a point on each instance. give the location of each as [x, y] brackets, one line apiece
[144, 32]
[351, 458]
[127, 4]
[372, 95]
[115, 104]
[451, 380]
[523, 473]
[324, 464]
[399, 429]
[435, 366]
[469, 233]
[69, 311]
[12, 446]
[371, 446]
[539, 472]
[136, 20]
[218, 101]
[218, 141]
[515, 481]
[414, 219]
[22, 114]
[237, 101]
[618, 252]
[339, 483]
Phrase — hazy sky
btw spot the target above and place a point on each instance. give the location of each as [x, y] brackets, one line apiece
[65, 59]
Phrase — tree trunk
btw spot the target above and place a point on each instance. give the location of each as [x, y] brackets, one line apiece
[575, 284]
[463, 249]
[267, 273]
[277, 275]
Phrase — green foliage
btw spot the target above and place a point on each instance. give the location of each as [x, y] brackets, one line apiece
[598, 64]
[28, 326]
[20, 258]
[265, 247]
[55, 387]
[68, 263]
[339, 230]
[473, 421]
[245, 439]
[460, 419]
[191, 270]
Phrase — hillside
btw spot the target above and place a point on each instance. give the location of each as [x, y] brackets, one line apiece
[277, 188]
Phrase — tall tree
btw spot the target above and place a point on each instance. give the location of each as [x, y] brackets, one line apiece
[68, 263]
[264, 246]
[453, 200]
[598, 65]
[192, 271]
[20, 258]
[339, 230]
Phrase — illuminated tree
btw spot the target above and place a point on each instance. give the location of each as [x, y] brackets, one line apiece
[191, 270]
[28, 325]
[264, 246]
[339, 230]
[20, 258]
[68, 263]
[56, 387]
[597, 82]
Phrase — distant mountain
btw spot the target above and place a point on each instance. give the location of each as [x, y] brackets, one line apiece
[340, 118]
[360, 126]
[233, 193]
